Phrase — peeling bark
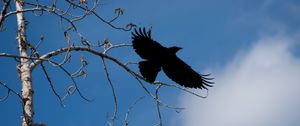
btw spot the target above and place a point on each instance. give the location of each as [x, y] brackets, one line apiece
[24, 68]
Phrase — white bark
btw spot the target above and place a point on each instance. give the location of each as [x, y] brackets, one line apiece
[25, 72]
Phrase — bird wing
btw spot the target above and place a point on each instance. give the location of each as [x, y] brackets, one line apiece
[183, 74]
[149, 70]
[144, 46]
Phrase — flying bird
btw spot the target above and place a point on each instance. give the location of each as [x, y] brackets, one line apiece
[157, 57]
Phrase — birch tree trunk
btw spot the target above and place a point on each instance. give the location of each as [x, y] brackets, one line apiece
[24, 68]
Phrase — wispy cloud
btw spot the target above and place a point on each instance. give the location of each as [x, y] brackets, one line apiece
[260, 87]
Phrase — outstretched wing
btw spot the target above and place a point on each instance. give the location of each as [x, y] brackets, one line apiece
[149, 70]
[144, 46]
[183, 74]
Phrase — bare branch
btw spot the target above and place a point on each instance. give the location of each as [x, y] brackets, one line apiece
[129, 110]
[22, 11]
[137, 76]
[73, 80]
[98, 16]
[128, 63]
[77, 48]
[16, 56]
[3, 12]
[115, 46]
[46, 57]
[5, 96]
[86, 13]
[39, 43]
[119, 12]
[8, 91]
[65, 60]
[51, 84]
[177, 109]
[160, 123]
[70, 90]
[113, 93]
[80, 71]
[144, 87]
[183, 88]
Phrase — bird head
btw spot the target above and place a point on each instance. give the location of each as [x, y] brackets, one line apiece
[174, 49]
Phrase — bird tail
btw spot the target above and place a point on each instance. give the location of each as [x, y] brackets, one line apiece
[149, 70]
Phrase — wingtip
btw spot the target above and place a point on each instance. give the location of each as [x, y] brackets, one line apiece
[149, 33]
[206, 82]
[144, 32]
[141, 32]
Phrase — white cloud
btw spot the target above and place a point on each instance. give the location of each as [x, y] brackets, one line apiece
[260, 87]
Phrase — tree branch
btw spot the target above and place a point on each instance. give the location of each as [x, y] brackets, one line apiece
[73, 80]
[160, 123]
[129, 110]
[8, 91]
[3, 12]
[22, 11]
[46, 57]
[99, 17]
[51, 84]
[114, 117]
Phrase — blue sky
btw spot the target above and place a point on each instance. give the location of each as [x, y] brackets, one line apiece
[250, 47]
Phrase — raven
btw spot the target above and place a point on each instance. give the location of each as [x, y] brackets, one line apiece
[158, 57]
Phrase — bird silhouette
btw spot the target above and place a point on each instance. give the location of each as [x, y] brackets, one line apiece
[157, 57]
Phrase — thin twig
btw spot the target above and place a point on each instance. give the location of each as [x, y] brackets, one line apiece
[73, 80]
[144, 87]
[116, 46]
[183, 88]
[98, 16]
[3, 12]
[129, 110]
[114, 117]
[128, 63]
[80, 71]
[24, 10]
[177, 109]
[51, 84]
[70, 90]
[39, 43]
[5, 96]
[9, 90]
[160, 123]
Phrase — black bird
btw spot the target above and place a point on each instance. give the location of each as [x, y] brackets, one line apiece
[157, 56]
